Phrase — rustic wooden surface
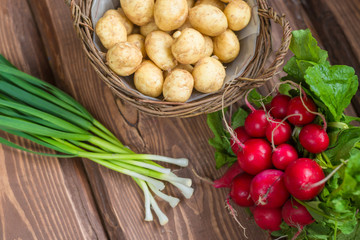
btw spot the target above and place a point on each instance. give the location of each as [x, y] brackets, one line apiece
[47, 198]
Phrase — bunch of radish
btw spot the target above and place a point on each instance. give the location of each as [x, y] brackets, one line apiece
[270, 175]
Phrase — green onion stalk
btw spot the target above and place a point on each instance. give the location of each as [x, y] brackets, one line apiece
[38, 111]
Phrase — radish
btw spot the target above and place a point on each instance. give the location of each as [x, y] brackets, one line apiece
[227, 178]
[267, 218]
[267, 189]
[295, 214]
[278, 132]
[314, 138]
[279, 105]
[241, 135]
[283, 155]
[268, 107]
[240, 190]
[296, 106]
[299, 177]
[256, 122]
[255, 156]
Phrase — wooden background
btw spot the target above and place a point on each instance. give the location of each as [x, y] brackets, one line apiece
[49, 198]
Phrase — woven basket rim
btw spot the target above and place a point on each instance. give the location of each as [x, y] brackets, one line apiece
[254, 75]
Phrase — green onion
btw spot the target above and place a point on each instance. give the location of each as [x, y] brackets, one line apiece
[39, 112]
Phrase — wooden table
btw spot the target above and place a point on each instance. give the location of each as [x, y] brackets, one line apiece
[49, 198]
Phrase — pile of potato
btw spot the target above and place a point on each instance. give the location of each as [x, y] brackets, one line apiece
[184, 42]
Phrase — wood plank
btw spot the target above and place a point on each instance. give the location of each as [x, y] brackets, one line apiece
[332, 34]
[119, 199]
[40, 197]
[300, 18]
[347, 14]
[202, 217]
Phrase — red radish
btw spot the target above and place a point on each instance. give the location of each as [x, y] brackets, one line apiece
[268, 218]
[283, 155]
[300, 175]
[295, 214]
[255, 156]
[279, 105]
[297, 107]
[227, 178]
[268, 107]
[314, 138]
[240, 190]
[267, 189]
[281, 134]
[242, 136]
[256, 123]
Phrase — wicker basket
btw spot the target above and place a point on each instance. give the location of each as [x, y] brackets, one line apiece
[254, 75]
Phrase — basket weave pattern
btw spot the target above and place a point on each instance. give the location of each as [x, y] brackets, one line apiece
[254, 75]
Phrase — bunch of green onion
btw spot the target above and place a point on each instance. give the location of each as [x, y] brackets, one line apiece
[37, 111]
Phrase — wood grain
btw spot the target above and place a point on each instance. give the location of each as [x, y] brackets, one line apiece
[300, 17]
[119, 200]
[40, 198]
[331, 30]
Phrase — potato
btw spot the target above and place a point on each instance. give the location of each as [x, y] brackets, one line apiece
[186, 67]
[225, 1]
[178, 86]
[186, 24]
[139, 41]
[238, 14]
[148, 79]
[127, 24]
[170, 15]
[148, 28]
[124, 58]
[209, 47]
[190, 3]
[215, 3]
[226, 46]
[189, 46]
[110, 30]
[158, 48]
[139, 12]
[209, 75]
[208, 19]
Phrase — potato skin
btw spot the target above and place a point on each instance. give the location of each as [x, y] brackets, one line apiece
[148, 79]
[215, 3]
[110, 30]
[139, 12]
[170, 15]
[208, 19]
[158, 48]
[190, 3]
[209, 47]
[178, 86]
[148, 28]
[139, 41]
[124, 58]
[209, 75]
[238, 14]
[226, 46]
[189, 46]
[127, 23]
[186, 67]
[186, 24]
